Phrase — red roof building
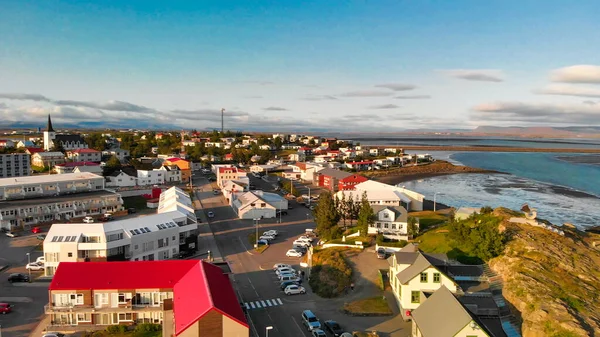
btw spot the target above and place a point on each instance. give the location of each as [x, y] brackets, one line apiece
[184, 296]
[32, 150]
[349, 182]
[85, 155]
[78, 163]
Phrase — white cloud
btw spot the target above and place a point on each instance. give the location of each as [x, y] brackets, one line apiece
[366, 93]
[413, 97]
[577, 74]
[569, 90]
[537, 113]
[319, 98]
[483, 75]
[396, 86]
[384, 106]
[275, 108]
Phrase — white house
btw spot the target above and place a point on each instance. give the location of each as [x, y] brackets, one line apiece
[262, 168]
[267, 147]
[150, 177]
[121, 179]
[85, 155]
[231, 187]
[390, 221]
[119, 153]
[390, 150]
[412, 273]
[49, 185]
[71, 166]
[387, 195]
[25, 143]
[297, 157]
[258, 204]
[172, 173]
[231, 173]
[374, 152]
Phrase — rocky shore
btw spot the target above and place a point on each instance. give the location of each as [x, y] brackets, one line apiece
[438, 168]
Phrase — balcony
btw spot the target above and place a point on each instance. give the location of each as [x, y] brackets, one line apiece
[124, 307]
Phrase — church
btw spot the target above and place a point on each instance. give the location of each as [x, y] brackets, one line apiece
[68, 142]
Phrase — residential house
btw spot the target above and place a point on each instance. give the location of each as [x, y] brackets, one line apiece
[307, 171]
[172, 174]
[71, 166]
[297, 157]
[290, 147]
[47, 159]
[189, 298]
[15, 165]
[262, 168]
[328, 142]
[6, 143]
[150, 177]
[388, 150]
[267, 147]
[32, 150]
[154, 150]
[280, 135]
[228, 157]
[122, 178]
[214, 144]
[365, 165]
[350, 181]
[210, 158]
[347, 153]
[413, 273]
[374, 152]
[159, 135]
[25, 143]
[184, 167]
[387, 195]
[67, 142]
[189, 143]
[322, 158]
[80, 155]
[392, 221]
[307, 151]
[49, 185]
[383, 162]
[231, 187]
[121, 154]
[258, 204]
[336, 180]
[231, 173]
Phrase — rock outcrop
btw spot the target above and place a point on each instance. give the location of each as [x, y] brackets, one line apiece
[551, 282]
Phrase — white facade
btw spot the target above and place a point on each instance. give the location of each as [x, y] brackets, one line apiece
[85, 155]
[262, 168]
[150, 177]
[390, 221]
[15, 165]
[386, 195]
[49, 185]
[171, 174]
[121, 179]
[119, 153]
[47, 159]
[257, 204]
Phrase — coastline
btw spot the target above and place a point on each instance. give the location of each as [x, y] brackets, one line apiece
[484, 149]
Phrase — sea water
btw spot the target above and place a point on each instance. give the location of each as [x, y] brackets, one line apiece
[560, 190]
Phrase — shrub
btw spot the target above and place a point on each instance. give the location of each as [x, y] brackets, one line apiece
[330, 275]
[148, 327]
[382, 241]
[116, 328]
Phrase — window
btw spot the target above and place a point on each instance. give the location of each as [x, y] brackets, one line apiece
[125, 317]
[70, 254]
[84, 317]
[415, 297]
[76, 299]
[424, 277]
[436, 277]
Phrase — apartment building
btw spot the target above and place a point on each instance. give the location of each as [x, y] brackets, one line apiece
[184, 167]
[47, 159]
[150, 177]
[148, 238]
[121, 154]
[86, 166]
[15, 165]
[29, 212]
[190, 298]
[85, 155]
[231, 173]
[49, 185]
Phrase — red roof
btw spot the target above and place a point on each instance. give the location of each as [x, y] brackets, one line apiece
[78, 163]
[223, 169]
[198, 286]
[354, 179]
[33, 150]
[361, 162]
[84, 151]
[174, 159]
[305, 148]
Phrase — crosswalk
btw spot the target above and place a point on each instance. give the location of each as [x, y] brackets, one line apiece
[263, 304]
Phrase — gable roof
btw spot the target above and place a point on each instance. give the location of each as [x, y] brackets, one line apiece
[69, 139]
[84, 151]
[78, 163]
[33, 150]
[442, 315]
[198, 286]
[399, 211]
[420, 263]
[334, 173]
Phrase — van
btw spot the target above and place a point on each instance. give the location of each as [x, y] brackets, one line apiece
[289, 277]
[310, 320]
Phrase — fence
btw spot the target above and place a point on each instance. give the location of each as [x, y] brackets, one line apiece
[330, 245]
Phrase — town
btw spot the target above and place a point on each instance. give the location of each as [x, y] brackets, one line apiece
[209, 233]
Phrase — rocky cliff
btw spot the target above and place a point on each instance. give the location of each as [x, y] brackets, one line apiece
[552, 282]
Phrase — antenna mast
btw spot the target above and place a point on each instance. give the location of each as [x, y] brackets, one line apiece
[222, 128]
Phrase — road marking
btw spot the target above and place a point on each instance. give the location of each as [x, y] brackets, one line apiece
[263, 303]
[279, 300]
[258, 304]
[269, 303]
[252, 305]
[247, 306]
[273, 302]
[299, 328]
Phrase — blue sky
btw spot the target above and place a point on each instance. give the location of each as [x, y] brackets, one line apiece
[344, 65]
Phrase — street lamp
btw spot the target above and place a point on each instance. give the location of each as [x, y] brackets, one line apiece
[257, 220]
[434, 200]
[28, 267]
[266, 331]
[308, 195]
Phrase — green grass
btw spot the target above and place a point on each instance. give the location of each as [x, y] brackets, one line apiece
[435, 241]
[367, 241]
[137, 202]
[252, 242]
[428, 219]
[373, 305]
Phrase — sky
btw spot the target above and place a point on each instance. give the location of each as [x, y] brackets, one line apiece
[285, 65]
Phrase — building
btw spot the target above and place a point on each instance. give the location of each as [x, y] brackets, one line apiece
[150, 177]
[67, 142]
[231, 187]
[391, 221]
[443, 315]
[122, 178]
[360, 165]
[30, 212]
[172, 173]
[306, 170]
[71, 166]
[258, 204]
[336, 180]
[413, 273]
[47, 159]
[15, 165]
[147, 238]
[465, 212]
[225, 173]
[184, 167]
[85, 155]
[25, 143]
[262, 168]
[119, 153]
[32, 150]
[384, 194]
[6, 143]
[49, 185]
[189, 298]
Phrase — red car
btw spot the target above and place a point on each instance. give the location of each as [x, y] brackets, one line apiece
[36, 230]
[5, 308]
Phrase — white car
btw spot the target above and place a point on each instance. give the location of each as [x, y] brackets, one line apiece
[11, 234]
[211, 214]
[285, 270]
[41, 260]
[281, 265]
[88, 219]
[271, 232]
[294, 290]
[293, 253]
[305, 238]
[287, 276]
[34, 266]
[267, 237]
[301, 243]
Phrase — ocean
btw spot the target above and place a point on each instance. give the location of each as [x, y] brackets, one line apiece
[563, 187]
[541, 143]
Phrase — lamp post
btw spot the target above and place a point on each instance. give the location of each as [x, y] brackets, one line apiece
[266, 331]
[434, 200]
[28, 267]
[257, 220]
[308, 195]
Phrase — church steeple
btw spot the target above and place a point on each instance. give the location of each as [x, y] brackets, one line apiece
[49, 127]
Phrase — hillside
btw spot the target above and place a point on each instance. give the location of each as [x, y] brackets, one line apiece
[552, 282]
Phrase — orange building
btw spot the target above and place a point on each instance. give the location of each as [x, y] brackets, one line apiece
[184, 167]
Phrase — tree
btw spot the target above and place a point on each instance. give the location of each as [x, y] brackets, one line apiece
[58, 147]
[366, 216]
[351, 208]
[112, 165]
[343, 208]
[413, 226]
[326, 217]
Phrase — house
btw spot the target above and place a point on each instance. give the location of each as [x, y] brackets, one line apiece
[25, 143]
[32, 150]
[30, 212]
[322, 158]
[184, 167]
[150, 177]
[307, 151]
[225, 173]
[350, 181]
[389, 150]
[290, 147]
[122, 178]
[159, 136]
[189, 143]
[154, 150]
[67, 142]
[211, 158]
[231, 187]
[47, 159]
[214, 144]
[49, 185]
[71, 166]
[6, 143]
[347, 153]
[392, 221]
[267, 147]
[384, 194]
[189, 298]
[258, 204]
[336, 180]
[360, 165]
[175, 199]
[297, 157]
[328, 142]
[279, 135]
[119, 153]
[443, 315]
[228, 157]
[148, 238]
[413, 273]
[15, 165]
[85, 155]
[374, 152]
[263, 168]
[171, 173]
[307, 171]
[465, 212]
[291, 175]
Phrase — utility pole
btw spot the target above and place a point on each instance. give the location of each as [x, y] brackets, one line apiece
[222, 123]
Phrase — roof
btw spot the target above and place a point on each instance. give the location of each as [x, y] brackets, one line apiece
[334, 173]
[419, 265]
[78, 163]
[33, 150]
[442, 315]
[84, 151]
[231, 168]
[174, 159]
[40, 201]
[47, 178]
[50, 154]
[399, 211]
[198, 286]
[360, 162]
[49, 126]
[69, 138]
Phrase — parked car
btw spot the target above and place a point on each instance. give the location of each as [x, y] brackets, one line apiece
[285, 284]
[211, 214]
[131, 210]
[262, 242]
[301, 243]
[294, 290]
[267, 237]
[88, 219]
[334, 328]
[41, 237]
[36, 230]
[310, 320]
[281, 265]
[381, 253]
[40, 259]
[185, 253]
[318, 333]
[11, 234]
[34, 266]
[18, 277]
[284, 270]
[5, 308]
[302, 249]
[293, 253]
[271, 232]
[289, 277]
[305, 238]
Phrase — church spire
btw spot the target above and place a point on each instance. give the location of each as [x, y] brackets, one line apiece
[49, 127]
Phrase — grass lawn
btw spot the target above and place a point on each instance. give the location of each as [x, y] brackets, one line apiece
[252, 242]
[429, 218]
[364, 334]
[373, 305]
[437, 241]
[137, 202]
